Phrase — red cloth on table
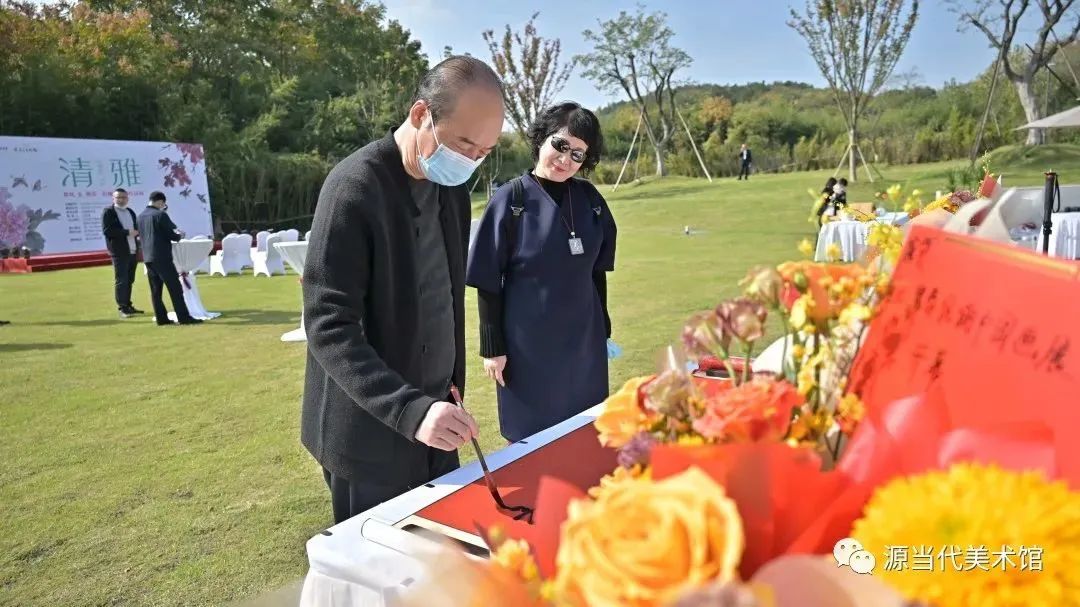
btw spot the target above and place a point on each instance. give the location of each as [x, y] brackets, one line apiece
[576, 458]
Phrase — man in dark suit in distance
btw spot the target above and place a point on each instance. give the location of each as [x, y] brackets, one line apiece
[745, 160]
[121, 239]
[158, 232]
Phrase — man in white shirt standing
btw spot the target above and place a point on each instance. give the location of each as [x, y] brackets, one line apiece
[118, 226]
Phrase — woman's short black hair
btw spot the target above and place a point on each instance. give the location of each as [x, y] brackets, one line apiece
[578, 121]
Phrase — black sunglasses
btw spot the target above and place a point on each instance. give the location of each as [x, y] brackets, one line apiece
[562, 146]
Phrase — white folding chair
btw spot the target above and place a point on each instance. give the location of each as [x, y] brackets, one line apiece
[291, 236]
[307, 235]
[269, 262]
[234, 256]
[260, 240]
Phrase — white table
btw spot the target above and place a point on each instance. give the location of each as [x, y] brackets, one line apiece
[295, 254]
[850, 235]
[1064, 236]
[893, 217]
[369, 559]
[187, 256]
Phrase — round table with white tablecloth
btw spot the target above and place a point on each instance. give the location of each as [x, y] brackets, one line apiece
[295, 254]
[850, 235]
[187, 256]
[1064, 236]
[895, 218]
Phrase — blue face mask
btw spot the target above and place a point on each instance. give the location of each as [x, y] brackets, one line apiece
[446, 167]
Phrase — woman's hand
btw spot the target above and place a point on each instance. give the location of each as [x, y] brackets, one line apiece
[493, 368]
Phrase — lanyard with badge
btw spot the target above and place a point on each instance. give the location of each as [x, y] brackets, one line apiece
[576, 247]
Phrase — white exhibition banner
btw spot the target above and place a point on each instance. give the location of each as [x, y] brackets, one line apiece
[52, 191]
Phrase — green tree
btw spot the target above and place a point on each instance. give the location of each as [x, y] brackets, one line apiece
[985, 15]
[856, 45]
[530, 70]
[633, 54]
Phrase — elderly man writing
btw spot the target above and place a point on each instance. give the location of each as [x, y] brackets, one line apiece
[384, 292]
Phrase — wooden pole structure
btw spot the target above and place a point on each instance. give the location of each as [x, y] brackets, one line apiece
[986, 112]
[641, 117]
[690, 136]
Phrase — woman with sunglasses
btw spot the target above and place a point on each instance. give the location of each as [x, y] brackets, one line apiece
[539, 263]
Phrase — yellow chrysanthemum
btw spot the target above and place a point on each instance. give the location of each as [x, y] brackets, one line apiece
[806, 379]
[855, 312]
[618, 478]
[690, 440]
[888, 239]
[1015, 538]
[799, 317]
[833, 252]
[515, 557]
[806, 247]
[850, 411]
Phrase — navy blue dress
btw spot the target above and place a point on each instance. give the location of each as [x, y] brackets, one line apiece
[553, 321]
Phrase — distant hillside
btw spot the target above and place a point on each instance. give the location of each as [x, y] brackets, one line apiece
[795, 126]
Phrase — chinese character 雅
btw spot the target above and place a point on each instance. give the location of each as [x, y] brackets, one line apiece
[125, 172]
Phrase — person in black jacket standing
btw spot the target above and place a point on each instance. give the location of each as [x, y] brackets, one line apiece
[158, 233]
[745, 160]
[121, 239]
[384, 292]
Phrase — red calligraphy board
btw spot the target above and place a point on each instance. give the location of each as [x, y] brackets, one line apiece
[989, 331]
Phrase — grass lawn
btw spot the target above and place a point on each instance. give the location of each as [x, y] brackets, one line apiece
[162, 466]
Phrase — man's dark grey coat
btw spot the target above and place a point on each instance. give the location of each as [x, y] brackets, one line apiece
[361, 409]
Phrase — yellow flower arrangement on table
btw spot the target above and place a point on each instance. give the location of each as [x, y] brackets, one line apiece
[823, 308]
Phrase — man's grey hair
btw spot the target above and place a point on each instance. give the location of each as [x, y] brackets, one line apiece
[442, 84]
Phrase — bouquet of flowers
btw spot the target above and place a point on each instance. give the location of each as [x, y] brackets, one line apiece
[732, 491]
[752, 526]
[801, 401]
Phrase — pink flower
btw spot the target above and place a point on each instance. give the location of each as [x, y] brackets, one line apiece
[742, 318]
[192, 151]
[14, 222]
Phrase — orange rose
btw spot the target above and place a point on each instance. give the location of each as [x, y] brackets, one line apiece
[815, 279]
[758, 410]
[643, 543]
[622, 417]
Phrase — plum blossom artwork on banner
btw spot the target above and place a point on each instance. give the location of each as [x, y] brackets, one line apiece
[53, 191]
[19, 223]
[180, 157]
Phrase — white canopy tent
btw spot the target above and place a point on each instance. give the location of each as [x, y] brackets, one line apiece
[1062, 119]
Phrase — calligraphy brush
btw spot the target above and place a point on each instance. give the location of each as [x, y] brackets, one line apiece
[523, 512]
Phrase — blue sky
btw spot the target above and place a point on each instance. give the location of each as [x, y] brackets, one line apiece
[731, 41]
